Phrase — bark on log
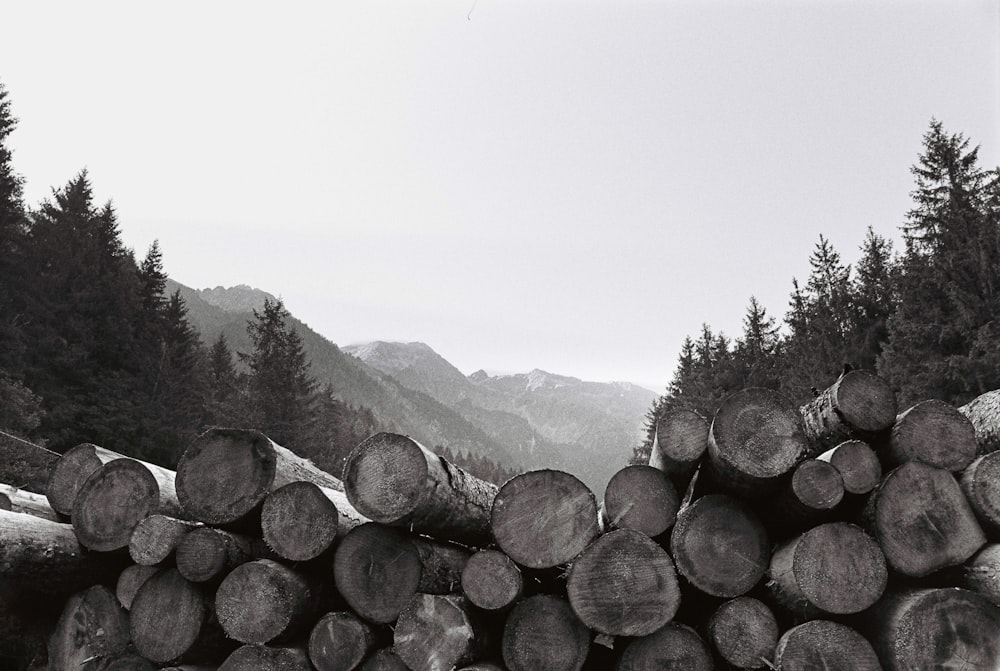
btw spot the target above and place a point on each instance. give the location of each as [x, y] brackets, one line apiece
[130, 580]
[71, 471]
[225, 475]
[859, 404]
[623, 584]
[980, 483]
[921, 520]
[809, 498]
[674, 647]
[679, 442]
[23, 501]
[301, 520]
[207, 553]
[984, 413]
[982, 573]
[857, 464]
[744, 633]
[155, 538]
[93, 627]
[544, 518]
[384, 660]
[832, 569]
[393, 479]
[438, 632]
[262, 600]
[756, 438]
[822, 644]
[720, 546]
[933, 432]
[492, 581]
[543, 632]
[25, 464]
[267, 658]
[640, 498]
[378, 569]
[339, 641]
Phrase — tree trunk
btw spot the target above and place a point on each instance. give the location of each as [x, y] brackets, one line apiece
[935, 433]
[492, 581]
[544, 518]
[982, 573]
[93, 627]
[25, 464]
[339, 641]
[378, 569]
[984, 413]
[980, 483]
[857, 464]
[267, 658]
[262, 600]
[674, 647]
[23, 501]
[395, 480]
[71, 471]
[130, 580]
[922, 521]
[155, 538]
[809, 498]
[225, 475]
[680, 440]
[543, 632]
[744, 633]
[859, 404]
[384, 660]
[821, 644]
[623, 584]
[640, 498]
[207, 553]
[439, 632]
[301, 520]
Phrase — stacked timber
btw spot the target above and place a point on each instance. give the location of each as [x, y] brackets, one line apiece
[846, 534]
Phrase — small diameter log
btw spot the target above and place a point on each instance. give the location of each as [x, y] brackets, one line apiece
[155, 538]
[383, 660]
[438, 632]
[623, 584]
[822, 644]
[921, 520]
[339, 641]
[857, 464]
[130, 580]
[744, 632]
[755, 439]
[301, 520]
[859, 404]
[93, 626]
[680, 440]
[492, 581]
[933, 432]
[23, 501]
[816, 488]
[267, 658]
[720, 546]
[982, 573]
[393, 479]
[674, 647]
[832, 569]
[640, 498]
[225, 475]
[71, 471]
[543, 632]
[544, 518]
[263, 600]
[378, 569]
[984, 413]
[208, 553]
[980, 483]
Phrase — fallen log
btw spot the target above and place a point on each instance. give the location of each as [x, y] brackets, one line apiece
[984, 413]
[492, 581]
[208, 553]
[933, 432]
[822, 644]
[674, 647]
[679, 442]
[156, 537]
[130, 580]
[980, 483]
[543, 632]
[93, 627]
[640, 498]
[262, 600]
[339, 641]
[301, 520]
[857, 464]
[860, 404]
[744, 633]
[267, 658]
[23, 501]
[438, 632]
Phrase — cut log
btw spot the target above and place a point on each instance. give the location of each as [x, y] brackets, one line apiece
[263, 600]
[267, 658]
[71, 471]
[980, 483]
[809, 498]
[859, 404]
[130, 662]
[720, 546]
[933, 432]
[225, 475]
[544, 518]
[438, 632]
[756, 438]
[23, 501]
[674, 647]
[339, 641]
[984, 413]
[921, 520]
[383, 660]
[207, 553]
[378, 569]
[155, 538]
[130, 580]
[492, 581]
[301, 520]
[744, 633]
[623, 584]
[93, 627]
[832, 569]
[393, 479]
[679, 442]
[822, 644]
[982, 573]
[543, 632]
[857, 464]
[640, 498]
[25, 464]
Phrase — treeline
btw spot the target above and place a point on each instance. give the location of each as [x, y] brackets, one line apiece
[927, 318]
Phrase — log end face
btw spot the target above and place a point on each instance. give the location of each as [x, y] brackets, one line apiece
[681, 436]
[947, 628]
[935, 433]
[338, 641]
[641, 498]
[744, 632]
[674, 647]
[298, 521]
[858, 466]
[839, 568]
[830, 644]
[377, 570]
[434, 633]
[491, 580]
[167, 615]
[259, 601]
[818, 485]
[865, 401]
[113, 501]
[384, 477]
[68, 475]
[543, 632]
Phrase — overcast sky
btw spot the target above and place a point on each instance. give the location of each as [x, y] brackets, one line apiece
[573, 186]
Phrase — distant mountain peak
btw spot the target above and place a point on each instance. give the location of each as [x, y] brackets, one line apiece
[240, 298]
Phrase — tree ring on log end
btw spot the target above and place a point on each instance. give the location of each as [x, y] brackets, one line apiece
[837, 645]
[384, 475]
[758, 433]
[115, 498]
[298, 521]
[839, 568]
[377, 570]
[865, 401]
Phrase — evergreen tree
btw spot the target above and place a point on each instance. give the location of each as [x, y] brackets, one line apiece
[873, 297]
[225, 403]
[757, 351]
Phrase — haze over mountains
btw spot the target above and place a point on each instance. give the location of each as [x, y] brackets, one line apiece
[530, 420]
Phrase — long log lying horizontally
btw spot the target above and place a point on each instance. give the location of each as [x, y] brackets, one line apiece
[679, 442]
[207, 554]
[543, 632]
[156, 537]
[263, 600]
[439, 633]
[23, 501]
[859, 404]
[933, 432]
[641, 498]
[857, 464]
[301, 520]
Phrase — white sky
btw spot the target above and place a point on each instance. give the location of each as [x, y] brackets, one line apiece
[573, 186]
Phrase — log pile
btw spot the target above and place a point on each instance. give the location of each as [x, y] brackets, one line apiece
[845, 534]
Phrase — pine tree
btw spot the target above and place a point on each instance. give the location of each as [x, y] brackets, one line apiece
[225, 403]
[756, 352]
[873, 298]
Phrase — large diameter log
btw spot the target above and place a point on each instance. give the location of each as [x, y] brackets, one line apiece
[674, 647]
[383, 660]
[439, 632]
[543, 632]
[859, 404]
[392, 479]
[208, 553]
[921, 520]
[130, 580]
[25, 463]
[982, 573]
[23, 501]
[225, 475]
[93, 626]
[641, 498]
[155, 538]
[720, 546]
[378, 569]
[679, 442]
[755, 439]
[744, 632]
[267, 658]
[492, 581]
[623, 584]
[984, 413]
[832, 569]
[980, 483]
[822, 644]
[809, 498]
[71, 471]
[339, 641]
[933, 432]
[263, 600]
[544, 518]
[857, 464]
[301, 520]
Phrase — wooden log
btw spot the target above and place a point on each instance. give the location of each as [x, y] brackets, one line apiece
[756, 438]
[921, 520]
[393, 479]
[383, 660]
[860, 404]
[543, 632]
[438, 632]
[933, 432]
[720, 546]
[93, 627]
[130, 662]
[674, 647]
[156, 537]
[744, 633]
[679, 442]
[623, 584]
[267, 658]
[822, 644]
[25, 464]
[809, 498]
[301, 520]
[23, 501]
[982, 573]
[492, 581]
[857, 464]
[641, 498]
[339, 641]
[225, 475]
[130, 580]
[208, 553]
[544, 518]
[71, 471]
[984, 413]
[980, 483]
[190, 667]
[378, 569]
[832, 569]
[263, 600]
